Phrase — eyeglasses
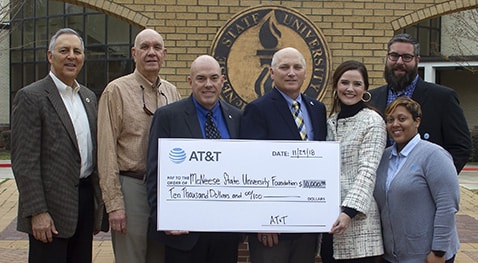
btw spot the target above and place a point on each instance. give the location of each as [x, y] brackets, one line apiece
[395, 56]
[145, 109]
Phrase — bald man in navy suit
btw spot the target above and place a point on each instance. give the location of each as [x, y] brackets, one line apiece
[270, 117]
[187, 119]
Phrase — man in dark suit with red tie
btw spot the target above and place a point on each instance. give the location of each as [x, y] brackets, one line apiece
[274, 116]
[54, 158]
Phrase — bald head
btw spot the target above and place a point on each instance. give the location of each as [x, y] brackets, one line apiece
[205, 61]
[288, 51]
[288, 71]
[149, 53]
[148, 33]
[206, 81]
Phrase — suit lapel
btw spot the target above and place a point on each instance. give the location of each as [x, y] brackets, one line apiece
[419, 94]
[312, 110]
[60, 109]
[90, 108]
[282, 108]
[91, 113]
[381, 99]
[231, 127]
[191, 119]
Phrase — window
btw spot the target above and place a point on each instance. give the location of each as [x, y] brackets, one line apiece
[107, 47]
[428, 35]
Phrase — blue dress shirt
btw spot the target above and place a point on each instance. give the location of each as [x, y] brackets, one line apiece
[217, 118]
[305, 114]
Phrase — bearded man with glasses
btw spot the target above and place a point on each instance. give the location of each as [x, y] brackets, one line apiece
[125, 113]
[443, 121]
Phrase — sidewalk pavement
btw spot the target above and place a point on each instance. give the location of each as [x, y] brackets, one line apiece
[14, 245]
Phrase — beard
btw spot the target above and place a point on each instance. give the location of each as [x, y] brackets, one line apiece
[399, 83]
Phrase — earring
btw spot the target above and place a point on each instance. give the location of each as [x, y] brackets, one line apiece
[366, 97]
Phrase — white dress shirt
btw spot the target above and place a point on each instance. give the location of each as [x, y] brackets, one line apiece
[78, 117]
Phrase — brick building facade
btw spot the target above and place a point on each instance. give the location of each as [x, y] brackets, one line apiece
[353, 29]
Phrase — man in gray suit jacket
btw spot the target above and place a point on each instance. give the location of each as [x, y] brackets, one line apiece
[187, 119]
[53, 158]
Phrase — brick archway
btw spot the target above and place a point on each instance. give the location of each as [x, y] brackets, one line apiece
[432, 12]
[110, 8]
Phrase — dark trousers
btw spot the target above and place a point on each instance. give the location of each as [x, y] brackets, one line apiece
[210, 248]
[327, 248]
[76, 249]
[301, 248]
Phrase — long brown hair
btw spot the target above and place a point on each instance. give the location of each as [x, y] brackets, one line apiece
[339, 71]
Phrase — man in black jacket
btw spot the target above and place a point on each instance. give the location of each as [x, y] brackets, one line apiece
[443, 121]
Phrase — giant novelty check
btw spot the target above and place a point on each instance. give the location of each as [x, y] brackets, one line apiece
[247, 185]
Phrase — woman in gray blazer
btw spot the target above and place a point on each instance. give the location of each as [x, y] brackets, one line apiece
[417, 192]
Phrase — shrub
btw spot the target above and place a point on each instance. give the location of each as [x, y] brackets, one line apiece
[474, 142]
[5, 138]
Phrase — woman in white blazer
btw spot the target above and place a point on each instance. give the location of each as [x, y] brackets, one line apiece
[361, 132]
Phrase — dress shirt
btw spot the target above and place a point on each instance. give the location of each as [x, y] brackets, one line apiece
[79, 119]
[217, 117]
[398, 159]
[303, 110]
[408, 91]
[123, 129]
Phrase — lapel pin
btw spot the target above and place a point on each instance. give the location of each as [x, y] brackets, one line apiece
[311, 103]
[87, 100]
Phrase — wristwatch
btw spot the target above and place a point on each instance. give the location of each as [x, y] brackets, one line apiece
[439, 253]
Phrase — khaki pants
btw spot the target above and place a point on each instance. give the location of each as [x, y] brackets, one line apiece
[134, 247]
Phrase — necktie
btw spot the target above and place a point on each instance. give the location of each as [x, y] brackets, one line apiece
[299, 120]
[210, 127]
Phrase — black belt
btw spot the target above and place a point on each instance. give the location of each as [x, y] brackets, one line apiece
[135, 175]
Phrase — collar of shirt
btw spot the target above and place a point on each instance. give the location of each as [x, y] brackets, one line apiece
[290, 100]
[303, 110]
[407, 149]
[408, 91]
[396, 160]
[203, 111]
[62, 86]
[142, 80]
[217, 116]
